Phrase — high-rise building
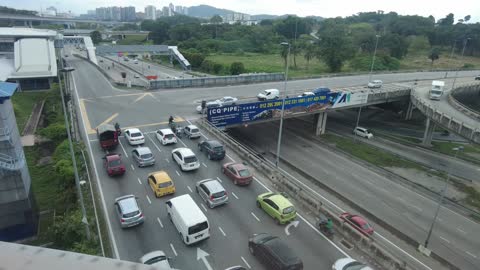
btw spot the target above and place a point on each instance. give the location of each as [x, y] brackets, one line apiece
[91, 12]
[140, 15]
[116, 14]
[165, 11]
[130, 14]
[150, 13]
[185, 10]
[159, 13]
[178, 9]
[171, 10]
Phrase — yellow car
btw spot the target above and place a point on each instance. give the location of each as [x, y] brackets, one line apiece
[161, 183]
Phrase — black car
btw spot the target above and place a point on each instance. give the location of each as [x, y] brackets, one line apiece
[213, 149]
[477, 78]
[273, 253]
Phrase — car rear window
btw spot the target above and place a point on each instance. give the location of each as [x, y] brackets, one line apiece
[194, 130]
[218, 149]
[218, 194]
[131, 214]
[136, 134]
[165, 184]
[198, 228]
[115, 163]
[244, 173]
[146, 156]
[190, 159]
[168, 136]
[288, 210]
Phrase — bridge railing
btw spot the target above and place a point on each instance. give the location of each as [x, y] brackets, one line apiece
[446, 121]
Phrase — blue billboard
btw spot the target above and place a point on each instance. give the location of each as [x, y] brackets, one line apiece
[262, 110]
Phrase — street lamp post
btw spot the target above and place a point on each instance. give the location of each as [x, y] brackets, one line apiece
[74, 161]
[451, 56]
[442, 195]
[463, 51]
[277, 160]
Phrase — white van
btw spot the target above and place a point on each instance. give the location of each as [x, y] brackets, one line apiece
[191, 223]
[437, 90]
[268, 94]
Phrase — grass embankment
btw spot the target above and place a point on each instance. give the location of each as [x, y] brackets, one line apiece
[23, 103]
[134, 40]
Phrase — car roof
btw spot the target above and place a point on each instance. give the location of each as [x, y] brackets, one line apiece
[271, 90]
[214, 143]
[192, 126]
[282, 251]
[239, 166]
[111, 157]
[161, 176]
[184, 151]
[279, 200]
[185, 201]
[105, 127]
[127, 203]
[133, 130]
[213, 185]
[377, 81]
[166, 131]
[143, 150]
[358, 219]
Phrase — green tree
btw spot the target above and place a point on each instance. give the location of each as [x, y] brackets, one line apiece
[418, 43]
[55, 132]
[237, 68]
[447, 21]
[196, 59]
[216, 20]
[395, 44]
[433, 55]
[158, 30]
[363, 36]
[335, 45]
[96, 37]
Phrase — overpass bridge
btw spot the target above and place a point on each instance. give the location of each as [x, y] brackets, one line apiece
[28, 19]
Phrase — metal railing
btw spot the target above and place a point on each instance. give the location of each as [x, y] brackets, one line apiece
[12, 163]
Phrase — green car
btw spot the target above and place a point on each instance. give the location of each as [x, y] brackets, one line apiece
[277, 206]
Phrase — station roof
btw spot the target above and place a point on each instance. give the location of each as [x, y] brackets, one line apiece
[6, 90]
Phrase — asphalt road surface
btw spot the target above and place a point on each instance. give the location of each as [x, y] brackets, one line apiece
[99, 103]
[231, 225]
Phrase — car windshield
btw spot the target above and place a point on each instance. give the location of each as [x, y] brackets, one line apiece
[244, 173]
[114, 163]
[136, 134]
[165, 184]
[354, 266]
[366, 226]
[147, 156]
[198, 228]
[436, 92]
[155, 260]
[190, 159]
[288, 210]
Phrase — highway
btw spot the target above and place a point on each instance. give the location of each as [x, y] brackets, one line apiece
[231, 225]
[99, 103]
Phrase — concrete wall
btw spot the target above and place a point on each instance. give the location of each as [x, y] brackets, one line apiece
[467, 100]
[216, 81]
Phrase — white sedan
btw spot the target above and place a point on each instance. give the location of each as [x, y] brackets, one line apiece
[350, 264]
[156, 258]
[134, 136]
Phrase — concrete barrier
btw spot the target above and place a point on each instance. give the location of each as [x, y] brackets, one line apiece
[471, 91]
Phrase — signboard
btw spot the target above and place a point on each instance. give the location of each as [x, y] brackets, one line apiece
[251, 112]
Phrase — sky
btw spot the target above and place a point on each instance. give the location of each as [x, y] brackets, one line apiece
[438, 8]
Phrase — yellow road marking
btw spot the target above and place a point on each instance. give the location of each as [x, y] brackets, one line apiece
[83, 111]
[122, 95]
[144, 95]
[177, 119]
[109, 119]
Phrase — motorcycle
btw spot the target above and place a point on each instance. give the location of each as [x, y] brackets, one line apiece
[322, 225]
[118, 129]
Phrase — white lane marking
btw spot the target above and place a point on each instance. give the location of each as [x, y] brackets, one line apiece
[156, 146]
[234, 195]
[190, 189]
[159, 222]
[460, 230]
[148, 199]
[255, 216]
[416, 207]
[120, 142]
[204, 208]
[230, 158]
[173, 249]
[246, 263]
[403, 251]
[204, 165]
[140, 182]
[109, 226]
[444, 239]
[470, 254]
[133, 168]
[177, 172]
[219, 180]
[168, 161]
[94, 140]
[184, 145]
[220, 228]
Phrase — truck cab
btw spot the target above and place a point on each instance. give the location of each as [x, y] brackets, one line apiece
[437, 90]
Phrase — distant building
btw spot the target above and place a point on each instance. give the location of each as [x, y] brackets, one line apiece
[91, 12]
[53, 10]
[159, 13]
[140, 15]
[165, 11]
[185, 10]
[236, 17]
[171, 10]
[150, 13]
[128, 14]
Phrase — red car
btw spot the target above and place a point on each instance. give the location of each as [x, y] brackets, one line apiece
[113, 164]
[238, 172]
[358, 223]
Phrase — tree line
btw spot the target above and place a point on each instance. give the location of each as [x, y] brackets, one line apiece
[333, 41]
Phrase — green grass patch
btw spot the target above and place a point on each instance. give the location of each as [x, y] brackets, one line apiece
[133, 40]
[419, 60]
[370, 154]
[447, 148]
[255, 62]
[473, 195]
[23, 103]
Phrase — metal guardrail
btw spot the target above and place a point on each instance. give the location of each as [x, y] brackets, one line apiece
[446, 121]
[10, 163]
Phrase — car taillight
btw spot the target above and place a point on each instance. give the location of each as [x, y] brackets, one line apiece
[141, 215]
[164, 137]
[109, 170]
[122, 220]
[211, 198]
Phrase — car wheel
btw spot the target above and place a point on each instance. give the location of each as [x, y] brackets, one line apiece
[210, 205]
[223, 170]
[258, 204]
[209, 157]
[277, 221]
[170, 217]
[196, 190]
[156, 195]
[235, 182]
[250, 248]
[200, 148]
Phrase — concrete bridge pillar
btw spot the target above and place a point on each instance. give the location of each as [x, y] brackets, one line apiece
[321, 123]
[427, 136]
[409, 112]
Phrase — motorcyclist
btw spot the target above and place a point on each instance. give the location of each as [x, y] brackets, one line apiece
[118, 129]
[170, 120]
[329, 225]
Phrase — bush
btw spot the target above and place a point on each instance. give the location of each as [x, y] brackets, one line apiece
[468, 66]
[207, 66]
[195, 59]
[237, 68]
[217, 68]
[382, 62]
[55, 132]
